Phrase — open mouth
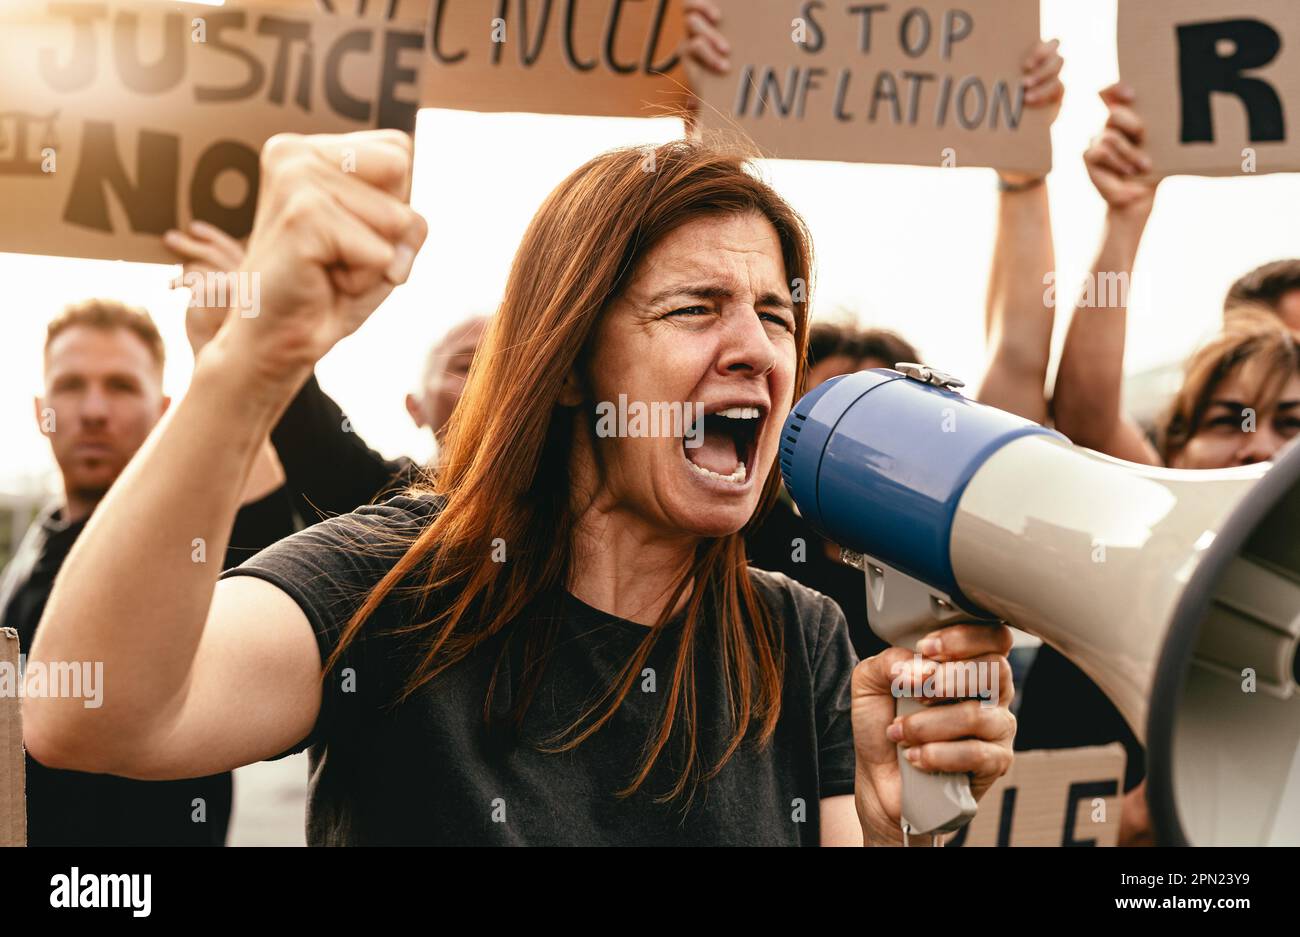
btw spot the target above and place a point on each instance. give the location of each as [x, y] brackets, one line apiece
[727, 441]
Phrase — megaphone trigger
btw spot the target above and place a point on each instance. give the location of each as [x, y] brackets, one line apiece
[903, 611]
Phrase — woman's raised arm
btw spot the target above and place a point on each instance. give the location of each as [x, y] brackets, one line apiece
[1018, 322]
[1088, 401]
[192, 685]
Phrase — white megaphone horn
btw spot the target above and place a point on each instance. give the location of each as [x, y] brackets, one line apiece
[1176, 592]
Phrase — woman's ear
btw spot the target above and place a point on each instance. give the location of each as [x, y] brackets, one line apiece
[571, 391]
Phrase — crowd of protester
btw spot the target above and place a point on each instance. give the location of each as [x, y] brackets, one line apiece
[103, 371]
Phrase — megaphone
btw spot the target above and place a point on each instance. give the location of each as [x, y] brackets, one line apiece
[1177, 592]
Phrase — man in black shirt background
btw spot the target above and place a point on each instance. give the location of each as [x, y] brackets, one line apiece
[102, 397]
[329, 468]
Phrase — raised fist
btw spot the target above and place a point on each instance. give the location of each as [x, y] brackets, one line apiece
[332, 237]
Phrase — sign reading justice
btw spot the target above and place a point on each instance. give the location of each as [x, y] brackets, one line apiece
[1214, 80]
[120, 119]
[927, 82]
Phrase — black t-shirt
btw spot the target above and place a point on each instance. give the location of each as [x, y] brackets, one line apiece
[429, 771]
[772, 546]
[328, 467]
[75, 808]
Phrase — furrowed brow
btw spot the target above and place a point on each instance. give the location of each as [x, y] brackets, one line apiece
[694, 292]
[776, 299]
[719, 292]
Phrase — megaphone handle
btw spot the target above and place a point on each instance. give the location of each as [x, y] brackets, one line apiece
[932, 803]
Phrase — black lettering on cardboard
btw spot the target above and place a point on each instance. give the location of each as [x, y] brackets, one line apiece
[154, 77]
[395, 114]
[287, 32]
[1008, 815]
[503, 7]
[915, 81]
[1005, 101]
[964, 118]
[886, 90]
[570, 51]
[914, 15]
[528, 56]
[652, 43]
[303, 96]
[769, 90]
[23, 136]
[957, 25]
[808, 81]
[226, 155]
[941, 106]
[435, 34]
[82, 61]
[742, 91]
[841, 94]
[865, 10]
[1202, 71]
[342, 103]
[1083, 790]
[816, 38]
[256, 72]
[611, 34]
[1005, 820]
[149, 202]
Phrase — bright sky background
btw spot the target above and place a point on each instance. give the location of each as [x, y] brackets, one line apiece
[906, 248]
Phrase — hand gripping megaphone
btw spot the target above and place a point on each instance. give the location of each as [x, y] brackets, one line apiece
[1177, 592]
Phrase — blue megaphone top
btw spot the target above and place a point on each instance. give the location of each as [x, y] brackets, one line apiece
[878, 461]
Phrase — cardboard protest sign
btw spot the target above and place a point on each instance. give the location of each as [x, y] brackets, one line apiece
[922, 82]
[13, 800]
[601, 58]
[371, 9]
[387, 9]
[1214, 81]
[605, 58]
[1065, 797]
[120, 119]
